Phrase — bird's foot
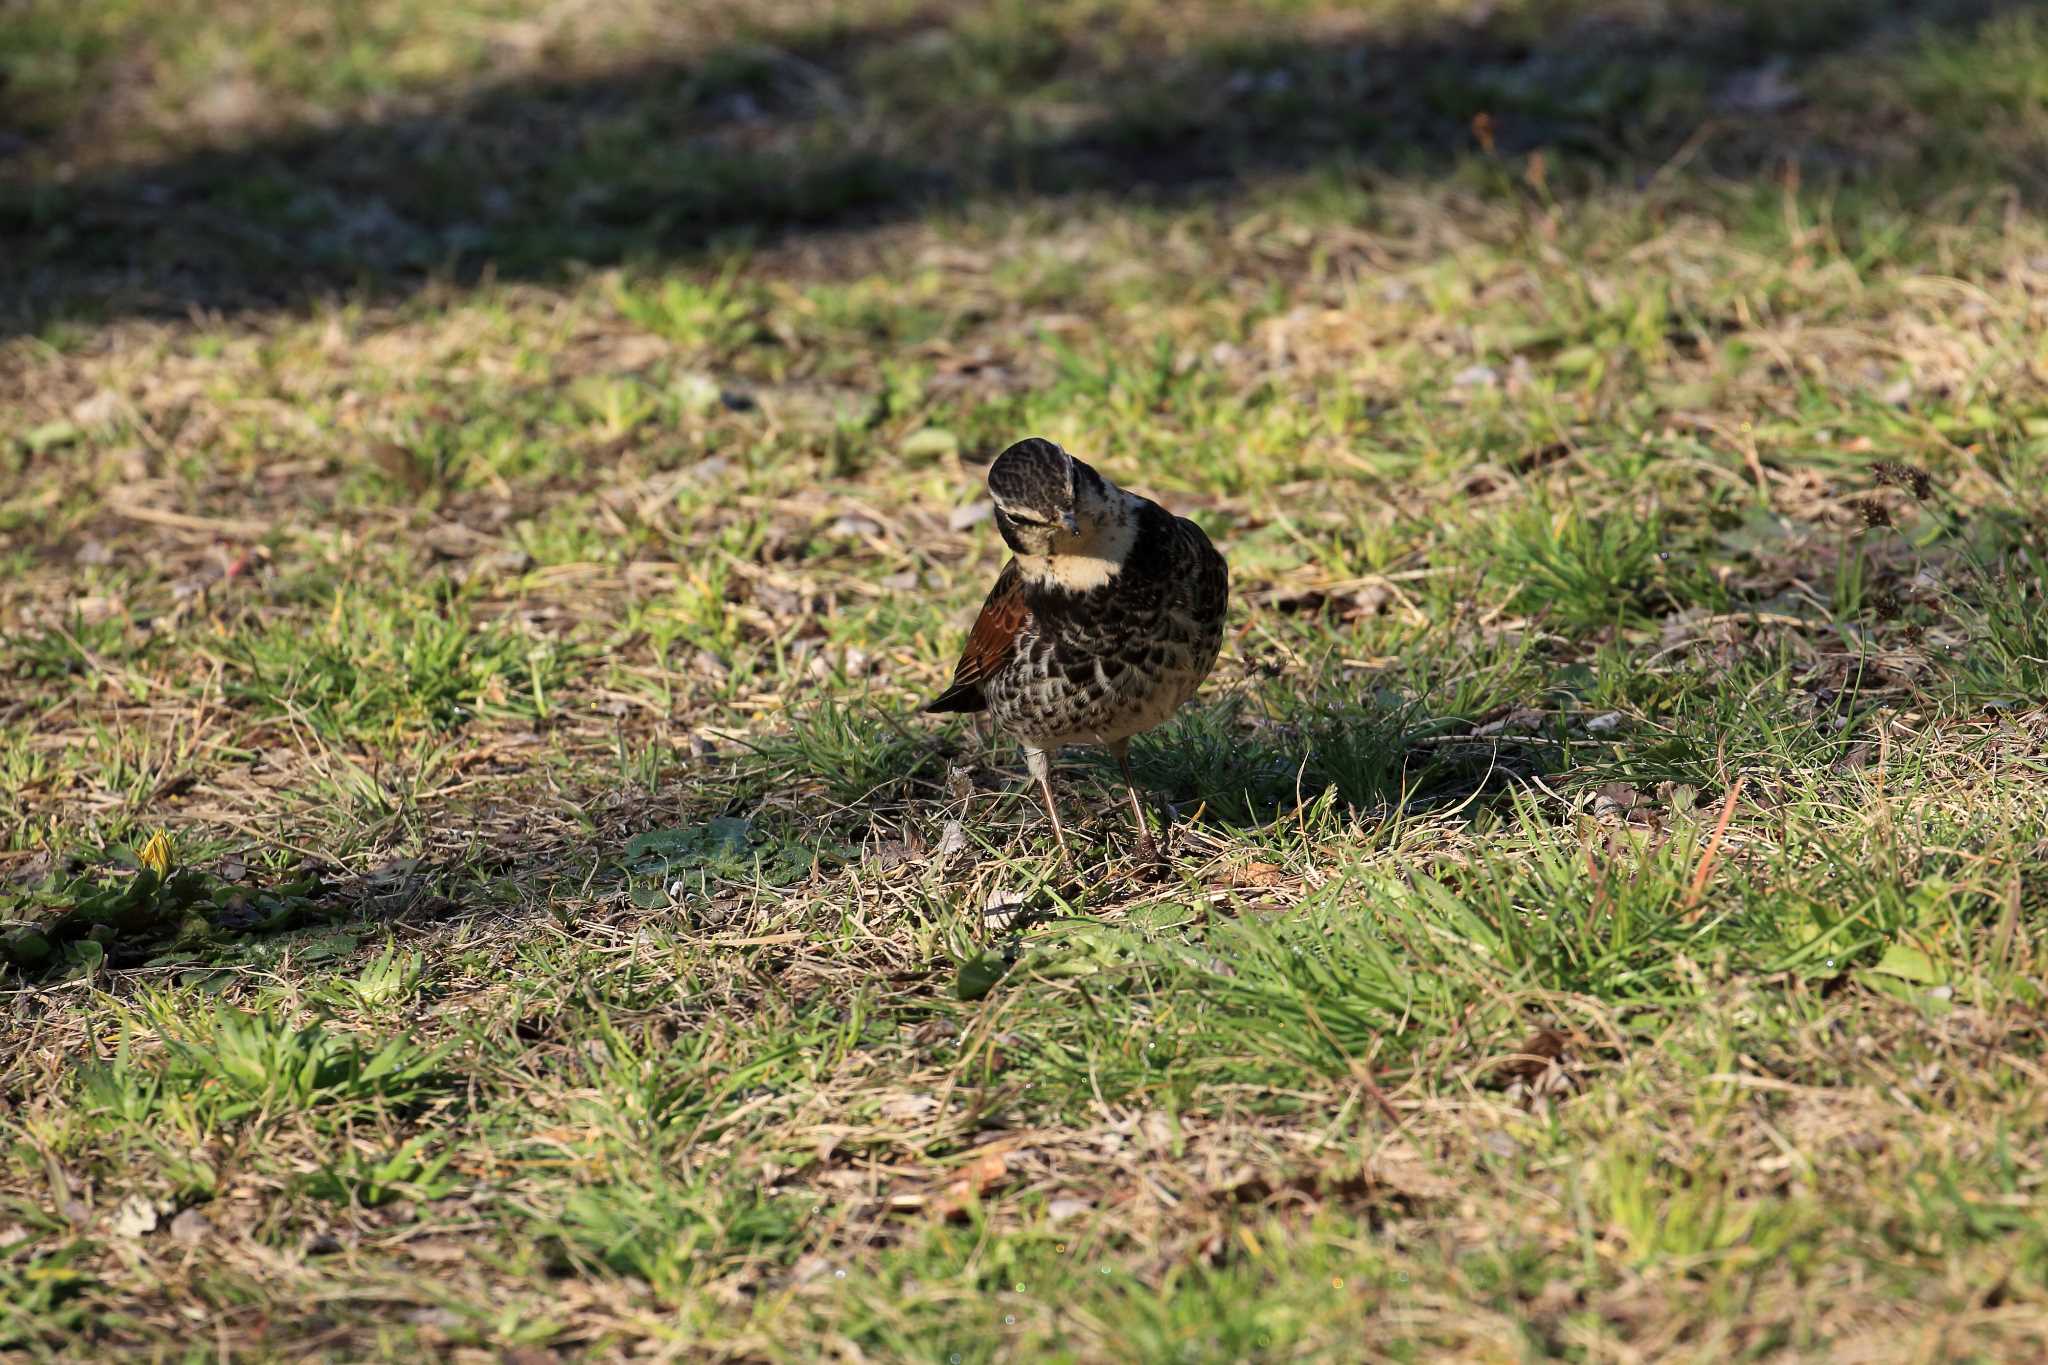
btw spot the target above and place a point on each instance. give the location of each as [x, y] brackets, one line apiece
[1151, 862]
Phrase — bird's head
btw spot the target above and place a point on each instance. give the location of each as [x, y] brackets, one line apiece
[1046, 501]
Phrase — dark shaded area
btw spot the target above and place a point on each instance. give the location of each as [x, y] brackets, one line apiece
[1375, 760]
[667, 161]
[113, 914]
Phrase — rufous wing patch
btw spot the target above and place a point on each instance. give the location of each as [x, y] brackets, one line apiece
[989, 644]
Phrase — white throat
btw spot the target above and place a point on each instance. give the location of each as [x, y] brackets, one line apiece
[1095, 557]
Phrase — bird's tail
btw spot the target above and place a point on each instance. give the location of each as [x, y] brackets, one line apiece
[962, 697]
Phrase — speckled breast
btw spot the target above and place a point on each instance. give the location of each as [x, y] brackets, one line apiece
[1099, 666]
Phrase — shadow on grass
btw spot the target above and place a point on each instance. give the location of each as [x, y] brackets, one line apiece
[1376, 761]
[116, 911]
[751, 819]
[671, 159]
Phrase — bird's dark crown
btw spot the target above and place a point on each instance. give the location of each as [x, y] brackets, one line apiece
[1048, 502]
[1033, 475]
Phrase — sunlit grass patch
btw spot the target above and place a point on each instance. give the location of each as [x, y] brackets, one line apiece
[2006, 659]
[1583, 569]
[216, 1069]
[375, 668]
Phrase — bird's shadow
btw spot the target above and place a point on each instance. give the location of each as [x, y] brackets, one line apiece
[1219, 766]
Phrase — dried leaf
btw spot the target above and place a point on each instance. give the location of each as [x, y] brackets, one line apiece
[974, 513]
[1255, 875]
[136, 1216]
[1544, 1048]
[990, 1166]
[903, 1108]
[1618, 803]
[191, 1227]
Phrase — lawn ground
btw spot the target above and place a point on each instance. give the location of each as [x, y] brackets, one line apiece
[485, 486]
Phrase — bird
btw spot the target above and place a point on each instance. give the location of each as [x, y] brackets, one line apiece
[1108, 617]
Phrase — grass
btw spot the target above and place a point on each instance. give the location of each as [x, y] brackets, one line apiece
[484, 487]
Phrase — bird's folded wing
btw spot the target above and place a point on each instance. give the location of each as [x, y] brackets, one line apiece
[989, 644]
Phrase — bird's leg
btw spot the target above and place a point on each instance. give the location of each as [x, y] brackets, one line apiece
[1040, 765]
[1147, 850]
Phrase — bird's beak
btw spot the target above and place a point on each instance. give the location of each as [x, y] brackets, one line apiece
[1073, 528]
